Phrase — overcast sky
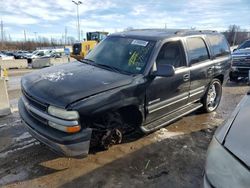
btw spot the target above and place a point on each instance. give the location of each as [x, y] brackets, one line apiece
[50, 17]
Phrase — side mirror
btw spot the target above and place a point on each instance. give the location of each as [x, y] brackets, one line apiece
[164, 70]
[234, 49]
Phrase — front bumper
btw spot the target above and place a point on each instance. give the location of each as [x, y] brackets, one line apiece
[72, 145]
[239, 71]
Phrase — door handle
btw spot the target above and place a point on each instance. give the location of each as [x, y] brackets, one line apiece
[210, 70]
[186, 77]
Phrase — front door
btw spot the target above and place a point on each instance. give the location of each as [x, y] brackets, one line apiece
[166, 94]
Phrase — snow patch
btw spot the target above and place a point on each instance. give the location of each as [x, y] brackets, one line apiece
[23, 136]
[163, 134]
[56, 76]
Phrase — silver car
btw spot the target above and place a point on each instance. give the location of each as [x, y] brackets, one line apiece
[228, 156]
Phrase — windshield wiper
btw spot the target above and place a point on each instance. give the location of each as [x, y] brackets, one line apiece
[88, 61]
[112, 68]
[107, 66]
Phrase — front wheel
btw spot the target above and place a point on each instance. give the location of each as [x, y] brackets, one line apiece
[212, 97]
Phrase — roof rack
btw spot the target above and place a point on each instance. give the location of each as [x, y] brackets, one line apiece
[194, 31]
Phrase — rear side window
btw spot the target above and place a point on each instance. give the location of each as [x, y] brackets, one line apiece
[219, 45]
[197, 50]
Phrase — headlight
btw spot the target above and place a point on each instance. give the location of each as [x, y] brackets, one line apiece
[62, 113]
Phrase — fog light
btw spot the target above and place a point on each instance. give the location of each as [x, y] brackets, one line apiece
[67, 129]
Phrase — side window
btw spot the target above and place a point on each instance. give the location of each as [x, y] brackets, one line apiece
[41, 53]
[197, 50]
[219, 45]
[172, 53]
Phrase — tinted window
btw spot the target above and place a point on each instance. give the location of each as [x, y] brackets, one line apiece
[219, 45]
[197, 50]
[171, 53]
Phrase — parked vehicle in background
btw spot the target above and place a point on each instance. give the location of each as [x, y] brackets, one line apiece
[5, 57]
[140, 79]
[44, 54]
[20, 54]
[228, 156]
[241, 61]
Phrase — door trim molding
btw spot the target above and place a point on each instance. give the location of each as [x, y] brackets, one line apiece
[167, 102]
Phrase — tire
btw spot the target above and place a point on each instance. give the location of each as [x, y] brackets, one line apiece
[212, 97]
[113, 124]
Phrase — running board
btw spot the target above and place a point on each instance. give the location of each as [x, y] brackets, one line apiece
[170, 118]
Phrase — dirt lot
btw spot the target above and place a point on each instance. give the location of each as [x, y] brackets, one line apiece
[171, 157]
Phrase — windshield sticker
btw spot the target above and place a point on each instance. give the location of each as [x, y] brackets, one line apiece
[140, 42]
[133, 59]
[56, 76]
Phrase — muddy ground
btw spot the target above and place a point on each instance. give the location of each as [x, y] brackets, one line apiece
[171, 157]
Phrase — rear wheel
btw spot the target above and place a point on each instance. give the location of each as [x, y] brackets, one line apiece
[212, 96]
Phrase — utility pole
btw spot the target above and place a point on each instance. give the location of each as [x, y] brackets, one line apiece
[77, 14]
[35, 36]
[2, 33]
[65, 36]
[24, 33]
[82, 34]
[235, 33]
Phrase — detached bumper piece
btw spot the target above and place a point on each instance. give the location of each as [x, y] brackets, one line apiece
[71, 145]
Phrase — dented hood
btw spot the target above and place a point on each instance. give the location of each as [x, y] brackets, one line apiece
[64, 84]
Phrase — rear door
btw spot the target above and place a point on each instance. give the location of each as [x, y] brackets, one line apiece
[201, 66]
[167, 94]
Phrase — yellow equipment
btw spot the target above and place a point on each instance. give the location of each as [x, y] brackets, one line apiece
[4, 73]
[80, 50]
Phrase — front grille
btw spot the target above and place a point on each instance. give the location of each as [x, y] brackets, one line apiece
[42, 120]
[34, 102]
[245, 60]
[244, 70]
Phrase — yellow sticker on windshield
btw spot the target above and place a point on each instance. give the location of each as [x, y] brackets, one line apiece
[133, 59]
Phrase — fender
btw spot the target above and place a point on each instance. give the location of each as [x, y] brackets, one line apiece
[110, 100]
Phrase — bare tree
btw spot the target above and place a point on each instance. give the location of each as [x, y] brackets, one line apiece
[235, 35]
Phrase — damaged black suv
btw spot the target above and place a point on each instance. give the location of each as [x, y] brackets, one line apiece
[142, 79]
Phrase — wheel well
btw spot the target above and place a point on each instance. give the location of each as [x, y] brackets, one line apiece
[131, 115]
[220, 77]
